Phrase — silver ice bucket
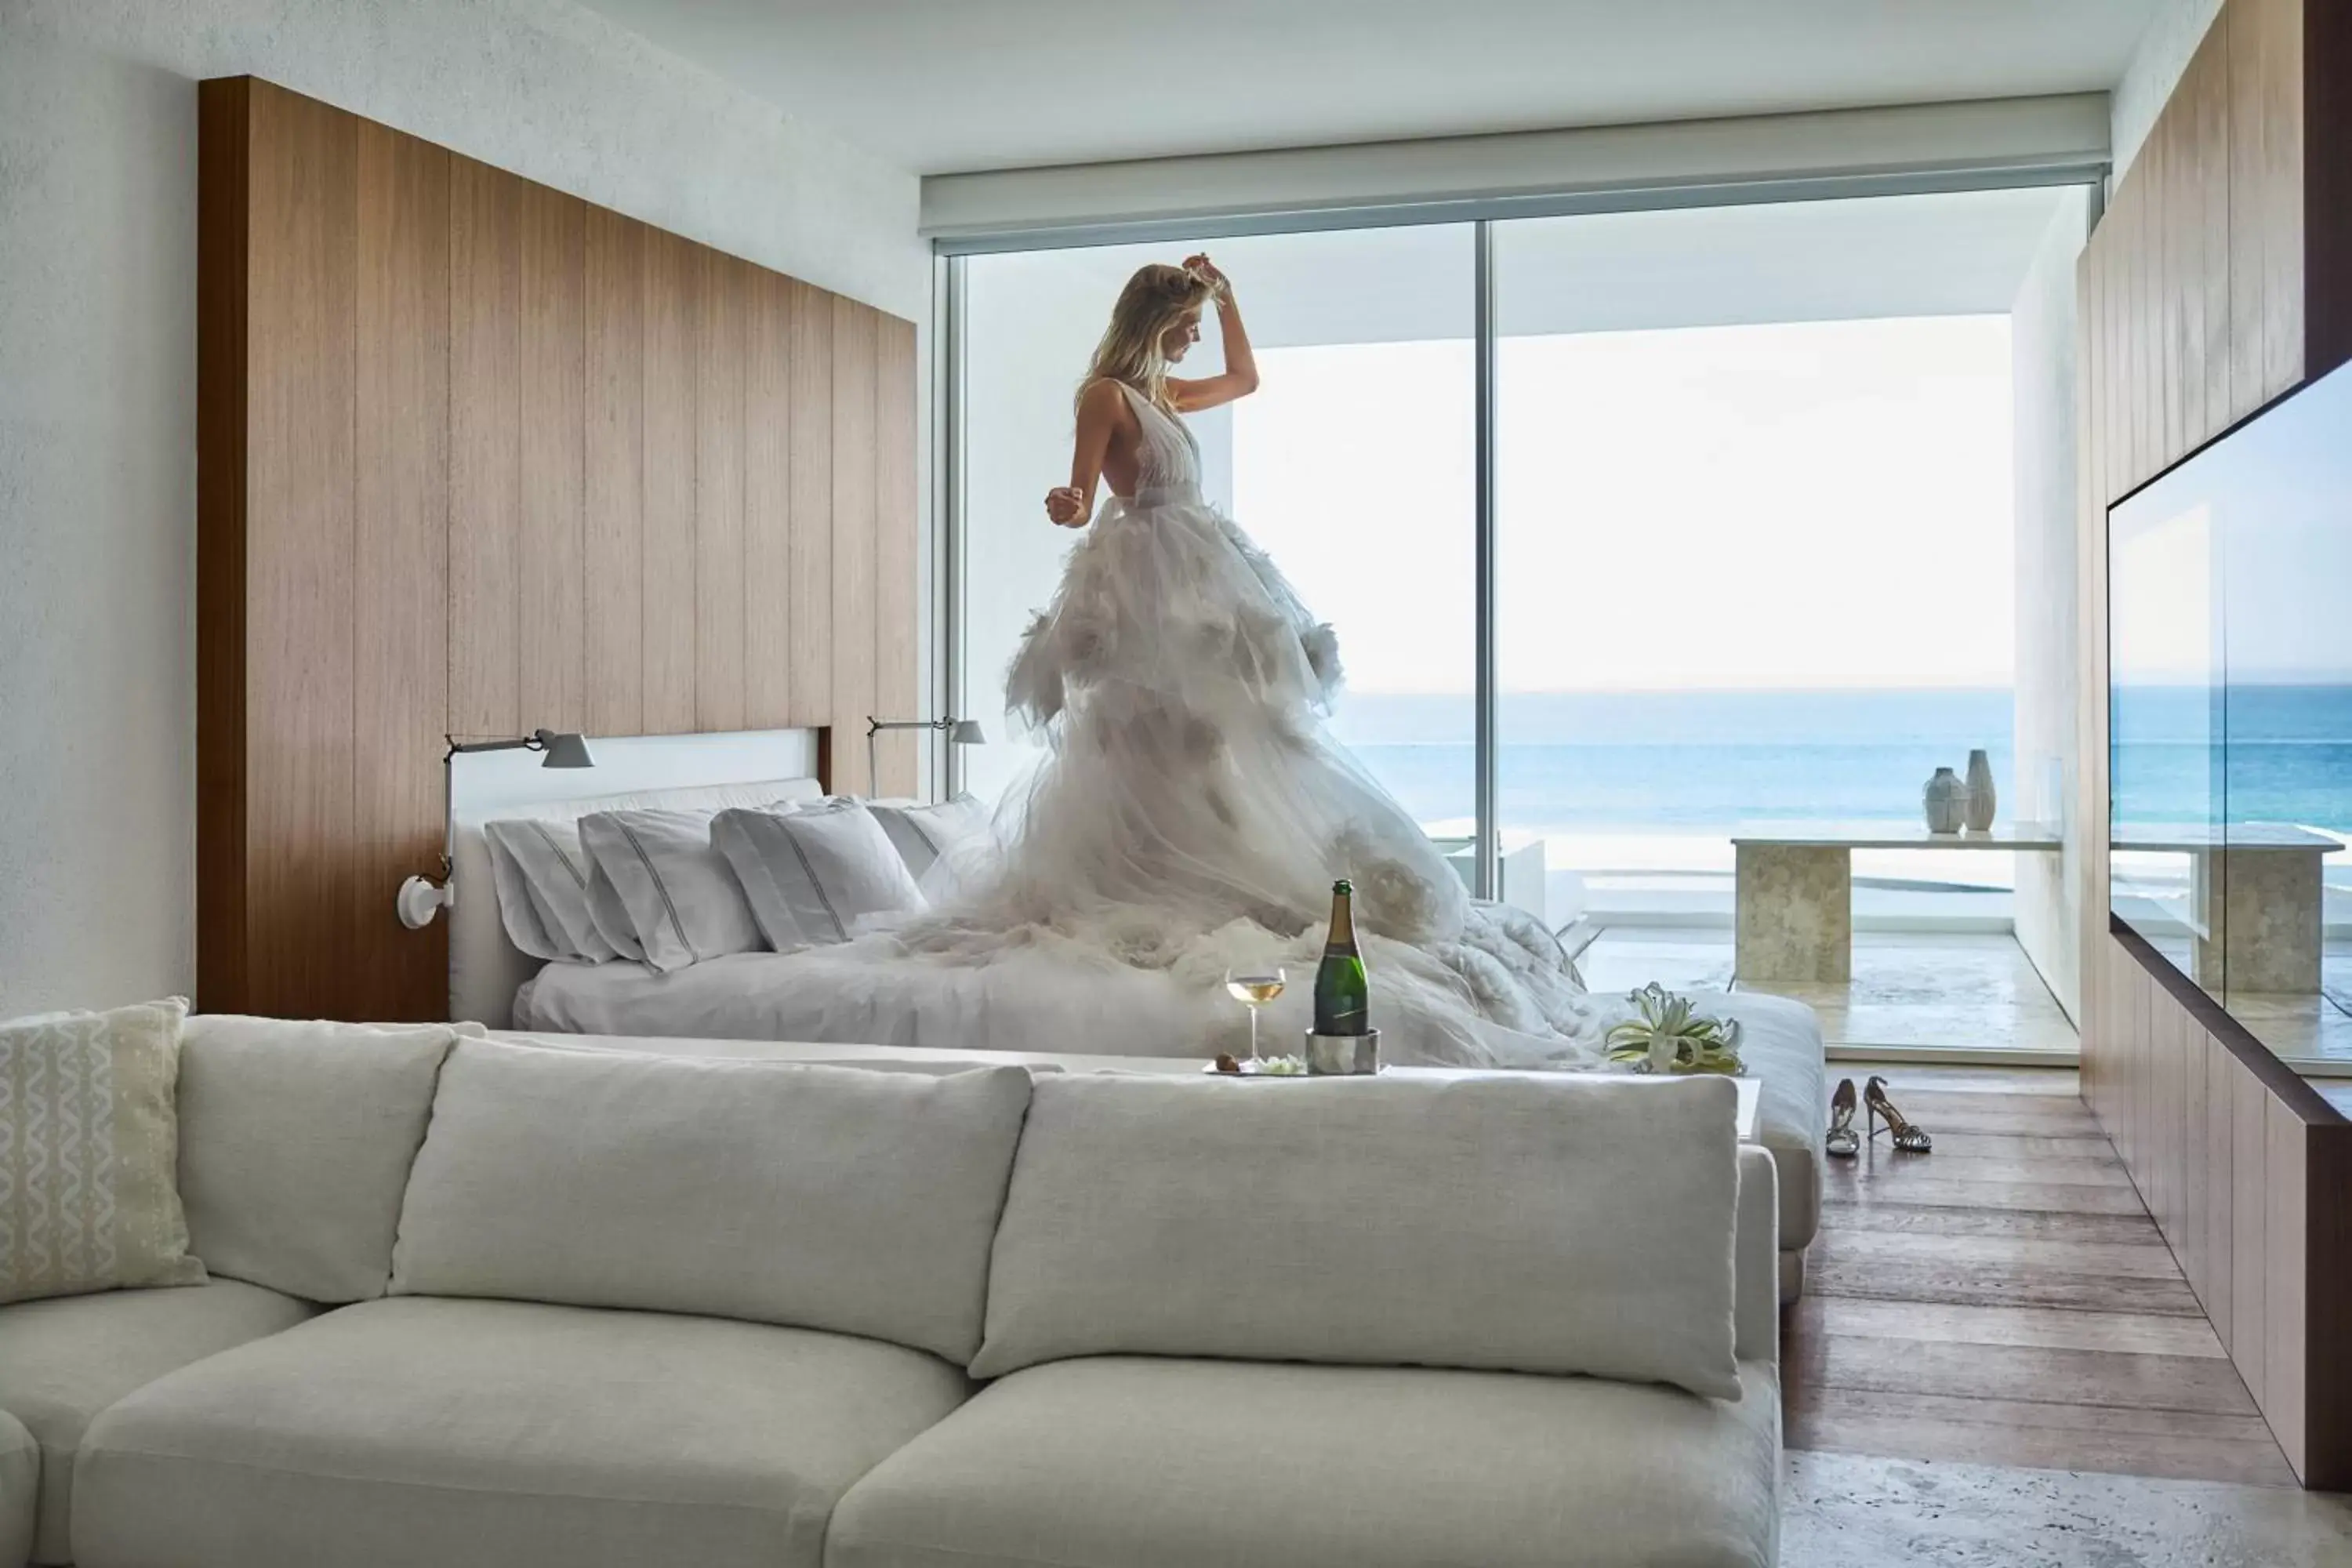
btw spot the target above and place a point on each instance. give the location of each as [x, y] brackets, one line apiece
[1334, 1055]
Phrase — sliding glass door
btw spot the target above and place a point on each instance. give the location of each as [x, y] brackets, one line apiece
[1751, 486]
[1352, 466]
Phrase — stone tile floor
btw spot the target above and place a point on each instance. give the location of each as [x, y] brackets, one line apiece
[1840, 1511]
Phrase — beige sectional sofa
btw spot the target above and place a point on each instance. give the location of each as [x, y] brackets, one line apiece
[483, 1303]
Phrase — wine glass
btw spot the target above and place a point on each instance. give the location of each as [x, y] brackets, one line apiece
[1253, 989]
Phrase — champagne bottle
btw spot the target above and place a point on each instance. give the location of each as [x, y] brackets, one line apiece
[1343, 999]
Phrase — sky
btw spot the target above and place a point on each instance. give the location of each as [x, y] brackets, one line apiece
[1789, 506]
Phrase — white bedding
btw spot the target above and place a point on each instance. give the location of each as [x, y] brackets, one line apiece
[1019, 1004]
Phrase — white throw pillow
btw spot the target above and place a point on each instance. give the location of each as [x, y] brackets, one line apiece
[923, 833]
[823, 1197]
[812, 873]
[682, 903]
[89, 1145]
[1541, 1223]
[541, 872]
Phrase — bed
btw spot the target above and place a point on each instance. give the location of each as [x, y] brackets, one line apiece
[1021, 1003]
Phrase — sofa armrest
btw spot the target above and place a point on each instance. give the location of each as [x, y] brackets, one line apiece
[1756, 1258]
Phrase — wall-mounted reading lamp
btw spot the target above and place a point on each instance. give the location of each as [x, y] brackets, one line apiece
[958, 732]
[420, 897]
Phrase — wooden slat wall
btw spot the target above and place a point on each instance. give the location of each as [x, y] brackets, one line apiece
[2216, 282]
[477, 458]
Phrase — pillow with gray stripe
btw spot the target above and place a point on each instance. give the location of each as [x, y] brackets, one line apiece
[680, 902]
[541, 873]
[814, 874]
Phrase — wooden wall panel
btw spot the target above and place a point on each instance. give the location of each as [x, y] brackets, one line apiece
[2212, 286]
[856, 345]
[2209, 110]
[813, 633]
[2287, 1194]
[477, 458]
[302, 879]
[2279, 24]
[223, 214]
[719, 596]
[897, 679]
[2215, 1289]
[551, 558]
[484, 451]
[767, 502]
[400, 615]
[613, 502]
[673, 311]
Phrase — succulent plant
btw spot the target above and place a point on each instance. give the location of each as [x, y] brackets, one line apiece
[1666, 1036]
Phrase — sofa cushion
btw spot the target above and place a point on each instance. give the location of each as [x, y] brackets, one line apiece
[502, 1433]
[1534, 1224]
[823, 1198]
[1135, 1463]
[64, 1361]
[20, 1490]
[295, 1143]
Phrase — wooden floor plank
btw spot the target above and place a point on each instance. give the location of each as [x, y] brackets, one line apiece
[2089, 1258]
[2025, 1145]
[2089, 1164]
[1906, 1078]
[2026, 1373]
[1830, 1403]
[2140, 1333]
[2244, 1461]
[2023, 1224]
[1935, 1189]
[1953, 1100]
[2006, 1299]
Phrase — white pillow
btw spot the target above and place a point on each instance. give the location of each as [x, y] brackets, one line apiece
[812, 873]
[682, 903]
[923, 833]
[611, 915]
[541, 873]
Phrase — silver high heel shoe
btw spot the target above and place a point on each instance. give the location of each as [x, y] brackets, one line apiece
[1842, 1143]
[1907, 1135]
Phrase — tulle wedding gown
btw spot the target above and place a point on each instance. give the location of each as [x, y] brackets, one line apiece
[1192, 813]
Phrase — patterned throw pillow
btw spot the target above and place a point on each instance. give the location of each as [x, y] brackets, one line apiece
[89, 1136]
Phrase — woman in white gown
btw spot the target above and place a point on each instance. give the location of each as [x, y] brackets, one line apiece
[1193, 813]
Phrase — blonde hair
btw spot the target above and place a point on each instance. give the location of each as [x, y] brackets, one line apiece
[1155, 299]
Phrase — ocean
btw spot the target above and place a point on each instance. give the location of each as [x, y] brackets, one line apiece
[1690, 763]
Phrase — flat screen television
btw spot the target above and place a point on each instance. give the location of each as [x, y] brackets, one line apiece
[2230, 650]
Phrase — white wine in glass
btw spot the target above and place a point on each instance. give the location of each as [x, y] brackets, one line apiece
[1253, 991]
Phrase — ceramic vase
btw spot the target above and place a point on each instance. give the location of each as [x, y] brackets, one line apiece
[1981, 798]
[1946, 799]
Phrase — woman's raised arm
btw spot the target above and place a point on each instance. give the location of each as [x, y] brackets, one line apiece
[1240, 377]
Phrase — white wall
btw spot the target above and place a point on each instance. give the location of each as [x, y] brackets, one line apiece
[97, 249]
[2164, 52]
[2049, 677]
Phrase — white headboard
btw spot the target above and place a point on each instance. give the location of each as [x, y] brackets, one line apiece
[672, 772]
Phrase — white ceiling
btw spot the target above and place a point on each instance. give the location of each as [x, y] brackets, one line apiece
[943, 86]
